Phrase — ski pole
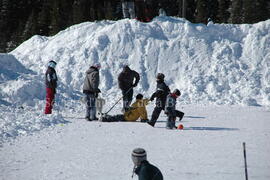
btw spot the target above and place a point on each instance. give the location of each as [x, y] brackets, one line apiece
[245, 158]
[133, 171]
[118, 100]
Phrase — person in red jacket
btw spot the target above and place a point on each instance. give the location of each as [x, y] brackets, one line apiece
[51, 84]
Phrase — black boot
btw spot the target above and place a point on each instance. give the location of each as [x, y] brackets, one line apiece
[144, 120]
[151, 123]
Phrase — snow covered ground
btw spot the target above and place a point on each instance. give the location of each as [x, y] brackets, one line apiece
[209, 147]
[222, 70]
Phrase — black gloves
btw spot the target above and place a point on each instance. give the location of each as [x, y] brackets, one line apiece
[134, 85]
[98, 91]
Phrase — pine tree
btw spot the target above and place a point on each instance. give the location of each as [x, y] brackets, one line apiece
[212, 9]
[236, 12]
[44, 18]
[108, 9]
[254, 11]
[4, 14]
[249, 8]
[30, 26]
[264, 6]
[77, 8]
[65, 11]
[55, 18]
[190, 10]
[223, 11]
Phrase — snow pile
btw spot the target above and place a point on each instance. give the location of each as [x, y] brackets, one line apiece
[16, 122]
[10, 68]
[219, 63]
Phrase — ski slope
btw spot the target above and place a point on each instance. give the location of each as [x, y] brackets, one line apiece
[222, 70]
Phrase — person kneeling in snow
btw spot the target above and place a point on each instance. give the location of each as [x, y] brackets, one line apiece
[51, 84]
[136, 111]
[170, 110]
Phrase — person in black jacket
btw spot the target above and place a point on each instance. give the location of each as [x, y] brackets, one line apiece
[126, 83]
[161, 93]
[91, 90]
[143, 168]
[51, 84]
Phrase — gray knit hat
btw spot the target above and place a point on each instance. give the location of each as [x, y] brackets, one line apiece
[138, 155]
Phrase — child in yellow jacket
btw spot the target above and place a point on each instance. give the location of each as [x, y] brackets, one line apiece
[136, 111]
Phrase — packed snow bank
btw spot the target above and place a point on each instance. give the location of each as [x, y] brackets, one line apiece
[20, 121]
[219, 63]
[11, 68]
[17, 83]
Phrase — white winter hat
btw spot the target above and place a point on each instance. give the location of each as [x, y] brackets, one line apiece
[52, 64]
[138, 155]
[97, 65]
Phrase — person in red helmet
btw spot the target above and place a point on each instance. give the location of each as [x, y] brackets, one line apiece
[51, 84]
[170, 110]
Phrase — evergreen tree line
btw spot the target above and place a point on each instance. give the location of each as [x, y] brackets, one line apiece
[21, 19]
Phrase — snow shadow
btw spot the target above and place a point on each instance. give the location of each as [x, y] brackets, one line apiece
[195, 117]
[211, 128]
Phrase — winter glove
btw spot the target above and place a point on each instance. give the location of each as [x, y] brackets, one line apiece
[96, 95]
[98, 91]
[134, 85]
[54, 90]
[152, 98]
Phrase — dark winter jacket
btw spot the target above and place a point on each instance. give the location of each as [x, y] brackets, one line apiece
[170, 105]
[51, 78]
[91, 81]
[147, 171]
[126, 79]
[127, 0]
[161, 93]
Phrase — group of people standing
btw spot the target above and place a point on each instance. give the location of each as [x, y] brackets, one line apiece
[127, 80]
[141, 10]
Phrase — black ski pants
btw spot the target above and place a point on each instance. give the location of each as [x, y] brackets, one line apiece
[155, 114]
[127, 98]
[157, 111]
[179, 114]
[115, 118]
